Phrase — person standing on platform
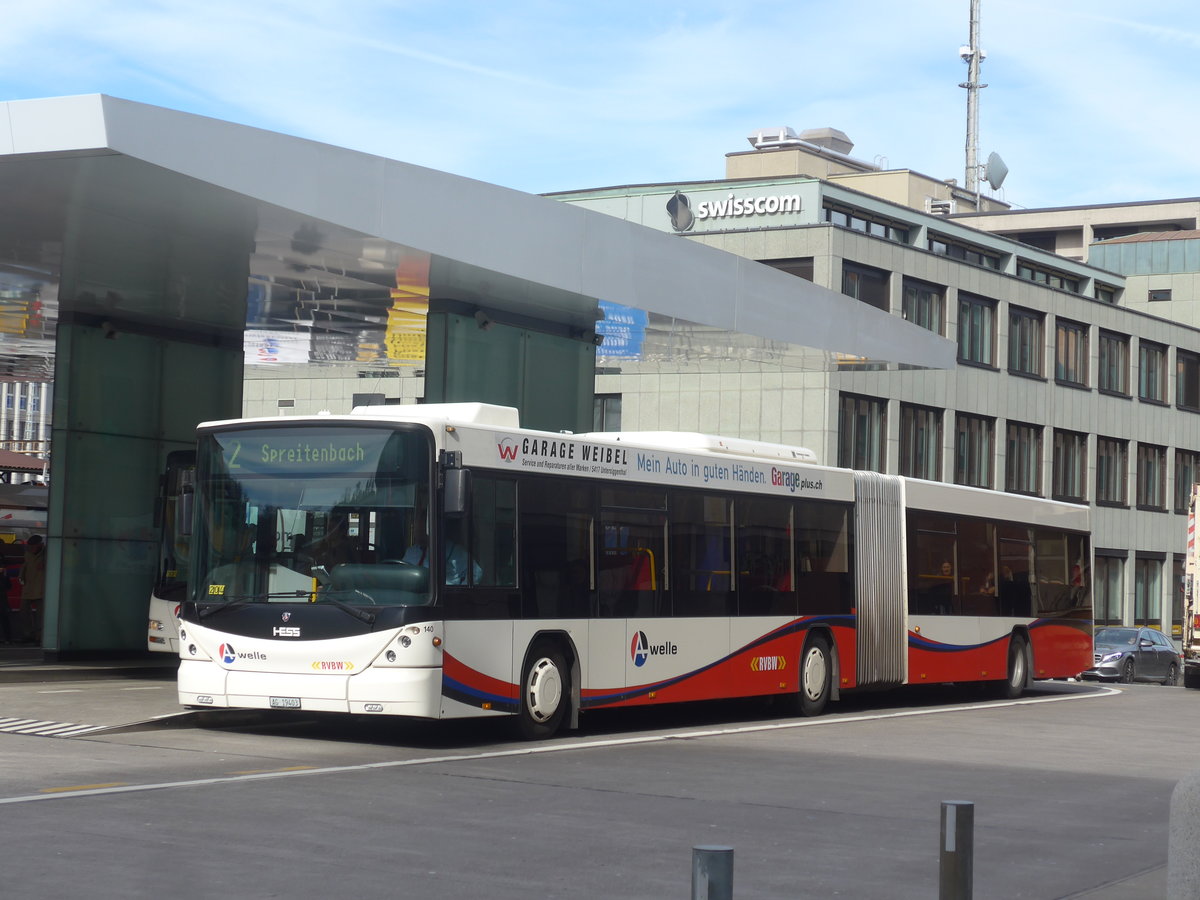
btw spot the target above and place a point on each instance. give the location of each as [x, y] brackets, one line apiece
[33, 589]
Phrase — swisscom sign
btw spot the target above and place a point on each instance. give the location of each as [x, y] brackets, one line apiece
[683, 217]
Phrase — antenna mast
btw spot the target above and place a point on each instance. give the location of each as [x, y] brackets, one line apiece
[973, 56]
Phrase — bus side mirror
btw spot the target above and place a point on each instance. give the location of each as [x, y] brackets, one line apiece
[456, 490]
[183, 513]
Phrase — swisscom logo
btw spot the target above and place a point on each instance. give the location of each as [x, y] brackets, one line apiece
[683, 217]
[641, 649]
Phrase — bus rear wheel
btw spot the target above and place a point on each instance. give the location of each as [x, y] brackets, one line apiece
[816, 676]
[545, 692]
[1018, 669]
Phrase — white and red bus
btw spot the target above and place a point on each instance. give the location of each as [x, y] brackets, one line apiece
[442, 562]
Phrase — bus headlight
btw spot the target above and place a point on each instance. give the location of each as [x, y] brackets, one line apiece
[391, 656]
[405, 640]
[156, 625]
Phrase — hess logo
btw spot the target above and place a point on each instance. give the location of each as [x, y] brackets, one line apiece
[286, 631]
[641, 649]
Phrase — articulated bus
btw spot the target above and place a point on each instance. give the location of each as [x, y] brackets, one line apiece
[170, 583]
[440, 561]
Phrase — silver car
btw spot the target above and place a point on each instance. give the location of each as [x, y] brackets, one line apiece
[1136, 653]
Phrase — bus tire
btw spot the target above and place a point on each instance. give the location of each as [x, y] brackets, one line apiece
[1017, 678]
[816, 676]
[545, 692]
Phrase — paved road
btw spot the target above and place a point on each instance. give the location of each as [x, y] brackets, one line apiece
[1071, 798]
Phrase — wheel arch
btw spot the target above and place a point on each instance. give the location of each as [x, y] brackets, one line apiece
[1021, 632]
[566, 643]
[825, 633]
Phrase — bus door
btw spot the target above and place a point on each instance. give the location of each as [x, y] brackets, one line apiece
[881, 592]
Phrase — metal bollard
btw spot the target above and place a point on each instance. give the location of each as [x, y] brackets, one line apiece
[712, 873]
[955, 875]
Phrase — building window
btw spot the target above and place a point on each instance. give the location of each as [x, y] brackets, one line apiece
[1108, 585]
[1070, 352]
[1151, 476]
[862, 427]
[1106, 294]
[976, 330]
[974, 449]
[285, 404]
[925, 305]
[1187, 380]
[1147, 591]
[968, 253]
[866, 284]
[1152, 372]
[1160, 295]
[867, 223]
[1112, 471]
[1113, 369]
[1070, 465]
[1025, 347]
[800, 266]
[920, 442]
[1023, 459]
[1187, 473]
[1048, 277]
[606, 412]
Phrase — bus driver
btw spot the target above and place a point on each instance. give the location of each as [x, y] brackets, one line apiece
[456, 551]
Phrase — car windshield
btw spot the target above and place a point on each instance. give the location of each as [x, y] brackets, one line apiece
[1117, 637]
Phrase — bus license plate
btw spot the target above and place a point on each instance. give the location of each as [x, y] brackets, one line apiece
[285, 703]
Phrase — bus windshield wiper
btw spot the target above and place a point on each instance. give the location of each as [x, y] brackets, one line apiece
[238, 600]
[230, 601]
[324, 597]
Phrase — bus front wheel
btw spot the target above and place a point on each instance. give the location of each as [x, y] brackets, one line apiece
[816, 676]
[545, 693]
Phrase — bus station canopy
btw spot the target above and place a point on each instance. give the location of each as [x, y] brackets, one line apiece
[345, 250]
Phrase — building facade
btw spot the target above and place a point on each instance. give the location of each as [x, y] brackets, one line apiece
[1061, 389]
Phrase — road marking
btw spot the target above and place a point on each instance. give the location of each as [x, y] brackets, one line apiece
[536, 749]
[42, 728]
[281, 769]
[64, 691]
[84, 787]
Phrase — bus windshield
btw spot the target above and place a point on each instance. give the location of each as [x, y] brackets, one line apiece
[294, 514]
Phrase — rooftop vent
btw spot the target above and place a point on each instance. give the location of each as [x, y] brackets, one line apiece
[829, 138]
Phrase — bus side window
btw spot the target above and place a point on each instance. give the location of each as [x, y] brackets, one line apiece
[556, 537]
[630, 564]
[825, 573]
[493, 540]
[765, 582]
[701, 555]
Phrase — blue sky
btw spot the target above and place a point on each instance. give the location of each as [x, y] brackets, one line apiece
[1089, 101]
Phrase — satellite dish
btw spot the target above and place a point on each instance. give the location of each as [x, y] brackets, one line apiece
[995, 171]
